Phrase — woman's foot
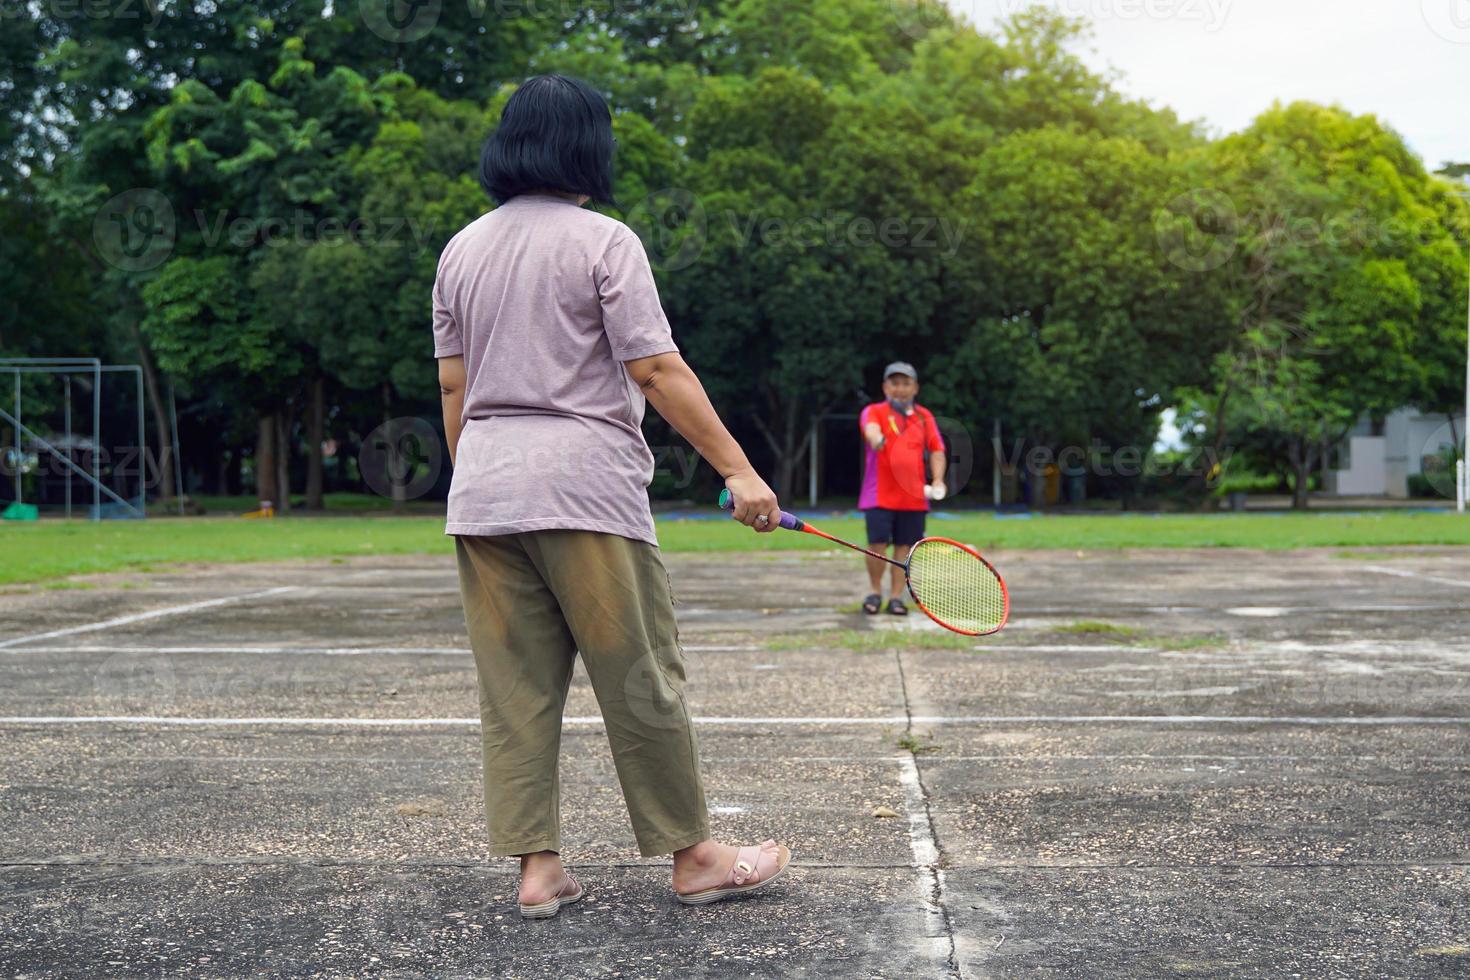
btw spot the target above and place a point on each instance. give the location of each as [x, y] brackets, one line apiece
[709, 871]
[545, 885]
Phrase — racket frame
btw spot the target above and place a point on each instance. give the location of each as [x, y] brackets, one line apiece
[1005, 593]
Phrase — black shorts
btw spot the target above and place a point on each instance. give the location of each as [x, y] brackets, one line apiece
[902, 527]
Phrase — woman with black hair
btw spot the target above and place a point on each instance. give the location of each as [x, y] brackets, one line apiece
[550, 338]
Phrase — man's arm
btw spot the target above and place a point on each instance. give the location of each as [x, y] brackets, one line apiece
[451, 397]
[672, 388]
[873, 432]
[938, 463]
[938, 458]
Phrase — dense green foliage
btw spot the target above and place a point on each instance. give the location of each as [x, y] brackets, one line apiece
[250, 198]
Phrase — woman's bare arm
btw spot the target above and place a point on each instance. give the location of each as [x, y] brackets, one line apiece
[451, 396]
[672, 388]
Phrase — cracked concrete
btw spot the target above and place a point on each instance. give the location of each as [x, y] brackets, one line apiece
[1260, 771]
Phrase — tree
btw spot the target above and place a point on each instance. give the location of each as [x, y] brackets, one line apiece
[1339, 258]
[265, 166]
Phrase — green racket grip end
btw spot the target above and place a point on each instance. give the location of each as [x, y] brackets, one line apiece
[789, 521]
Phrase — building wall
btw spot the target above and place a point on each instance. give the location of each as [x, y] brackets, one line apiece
[1367, 474]
[1382, 465]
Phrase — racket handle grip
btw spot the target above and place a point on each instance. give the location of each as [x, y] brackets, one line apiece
[789, 521]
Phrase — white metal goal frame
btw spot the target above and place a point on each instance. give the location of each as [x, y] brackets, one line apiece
[67, 367]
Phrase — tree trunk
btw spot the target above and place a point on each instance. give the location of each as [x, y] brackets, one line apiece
[283, 460]
[1218, 443]
[315, 433]
[399, 489]
[1300, 468]
[265, 460]
[787, 461]
[165, 469]
[1035, 486]
[787, 451]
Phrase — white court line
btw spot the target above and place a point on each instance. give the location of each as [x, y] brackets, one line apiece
[1404, 573]
[875, 760]
[152, 614]
[325, 651]
[720, 648]
[925, 849]
[313, 722]
[303, 650]
[921, 837]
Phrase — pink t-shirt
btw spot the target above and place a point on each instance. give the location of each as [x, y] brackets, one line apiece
[545, 300]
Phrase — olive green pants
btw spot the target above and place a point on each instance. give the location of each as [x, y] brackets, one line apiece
[532, 601]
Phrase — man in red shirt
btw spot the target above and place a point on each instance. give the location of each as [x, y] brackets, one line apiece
[896, 493]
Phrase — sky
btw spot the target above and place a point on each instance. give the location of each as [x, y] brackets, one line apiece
[1225, 61]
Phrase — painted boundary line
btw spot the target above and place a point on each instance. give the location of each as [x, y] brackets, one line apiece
[152, 614]
[921, 836]
[285, 650]
[238, 650]
[938, 942]
[1405, 573]
[898, 720]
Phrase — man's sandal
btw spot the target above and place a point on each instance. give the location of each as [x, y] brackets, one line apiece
[872, 604]
[755, 867]
[896, 607]
[546, 910]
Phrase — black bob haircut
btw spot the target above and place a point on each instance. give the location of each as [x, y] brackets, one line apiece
[554, 135]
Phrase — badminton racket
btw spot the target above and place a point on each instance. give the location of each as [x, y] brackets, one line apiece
[949, 581]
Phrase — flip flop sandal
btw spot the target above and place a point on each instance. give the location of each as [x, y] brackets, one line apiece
[872, 604]
[547, 909]
[755, 867]
[896, 607]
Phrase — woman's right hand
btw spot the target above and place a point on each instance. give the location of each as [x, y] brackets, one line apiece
[754, 500]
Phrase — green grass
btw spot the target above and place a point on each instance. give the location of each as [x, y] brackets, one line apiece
[1190, 641]
[44, 550]
[1090, 627]
[52, 549]
[918, 743]
[1134, 636]
[1368, 555]
[1110, 532]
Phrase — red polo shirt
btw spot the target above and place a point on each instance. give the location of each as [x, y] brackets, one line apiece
[894, 478]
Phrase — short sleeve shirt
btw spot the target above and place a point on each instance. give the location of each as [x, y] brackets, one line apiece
[894, 477]
[546, 300]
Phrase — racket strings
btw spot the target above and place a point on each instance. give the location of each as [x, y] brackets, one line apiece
[956, 587]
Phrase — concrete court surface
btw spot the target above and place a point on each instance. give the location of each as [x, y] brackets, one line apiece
[1266, 775]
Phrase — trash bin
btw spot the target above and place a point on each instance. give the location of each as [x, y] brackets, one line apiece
[1076, 484]
[1237, 500]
